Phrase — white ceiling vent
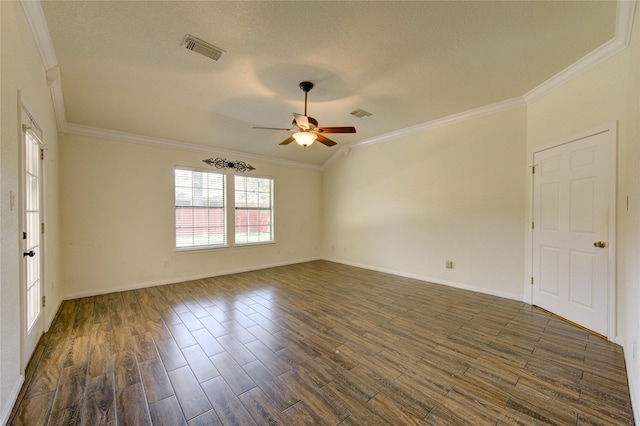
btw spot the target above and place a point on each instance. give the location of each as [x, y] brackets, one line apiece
[203, 48]
[360, 113]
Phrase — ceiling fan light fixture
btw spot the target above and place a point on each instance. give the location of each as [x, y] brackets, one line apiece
[304, 139]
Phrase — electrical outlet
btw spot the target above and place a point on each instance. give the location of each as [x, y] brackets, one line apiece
[448, 264]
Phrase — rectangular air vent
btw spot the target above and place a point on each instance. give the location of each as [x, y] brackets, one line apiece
[203, 48]
[360, 113]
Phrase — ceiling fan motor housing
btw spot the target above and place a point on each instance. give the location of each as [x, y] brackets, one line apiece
[313, 123]
[306, 86]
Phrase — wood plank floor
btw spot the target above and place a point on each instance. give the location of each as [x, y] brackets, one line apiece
[318, 343]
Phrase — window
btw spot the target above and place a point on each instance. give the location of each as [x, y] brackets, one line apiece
[200, 209]
[253, 210]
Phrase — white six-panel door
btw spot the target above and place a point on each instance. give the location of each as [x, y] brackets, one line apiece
[571, 189]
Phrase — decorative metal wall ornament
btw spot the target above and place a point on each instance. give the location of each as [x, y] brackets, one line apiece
[223, 163]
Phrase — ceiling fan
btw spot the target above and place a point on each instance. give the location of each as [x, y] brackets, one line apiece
[307, 130]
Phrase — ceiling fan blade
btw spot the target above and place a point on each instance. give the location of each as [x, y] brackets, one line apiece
[336, 129]
[287, 141]
[276, 128]
[302, 121]
[324, 140]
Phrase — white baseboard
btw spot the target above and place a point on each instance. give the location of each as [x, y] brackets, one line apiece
[174, 280]
[634, 386]
[462, 286]
[633, 376]
[11, 401]
[52, 314]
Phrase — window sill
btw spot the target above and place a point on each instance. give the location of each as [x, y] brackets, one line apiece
[264, 243]
[199, 249]
[224, 247]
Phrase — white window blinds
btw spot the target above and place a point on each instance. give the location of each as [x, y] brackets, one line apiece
[200, 209]
[253, 210]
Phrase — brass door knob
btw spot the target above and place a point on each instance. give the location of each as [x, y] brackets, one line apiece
[600, 244]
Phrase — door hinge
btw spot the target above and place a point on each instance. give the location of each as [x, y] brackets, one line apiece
[531, 280]
[41, 154]
[44, 301]
[533, 225]
[42, 227]
[533, 170]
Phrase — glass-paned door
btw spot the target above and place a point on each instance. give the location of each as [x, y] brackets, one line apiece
[31, 195]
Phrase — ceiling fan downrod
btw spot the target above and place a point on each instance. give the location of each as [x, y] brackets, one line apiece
[306, 86]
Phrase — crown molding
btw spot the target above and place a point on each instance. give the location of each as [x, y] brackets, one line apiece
[624, 23]
[624, 20]
[38, 24]
[433, 124]
[55, 87]
[95, 132]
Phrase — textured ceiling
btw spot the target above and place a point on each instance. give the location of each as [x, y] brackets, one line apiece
[124, 67]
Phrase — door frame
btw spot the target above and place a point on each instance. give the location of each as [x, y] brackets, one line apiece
[611, 280]
[27, 119]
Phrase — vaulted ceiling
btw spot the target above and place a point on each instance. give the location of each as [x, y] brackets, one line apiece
[124, 67]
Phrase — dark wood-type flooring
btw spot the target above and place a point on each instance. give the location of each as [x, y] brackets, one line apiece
[318, 343]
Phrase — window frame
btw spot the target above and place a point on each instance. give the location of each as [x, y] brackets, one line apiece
[225, 196]
[271, 210]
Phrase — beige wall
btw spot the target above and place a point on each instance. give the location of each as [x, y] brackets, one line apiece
[450, 193]
[461, 193]
[456, 193]
[22, 71]
[118, 218]
[607, 93]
